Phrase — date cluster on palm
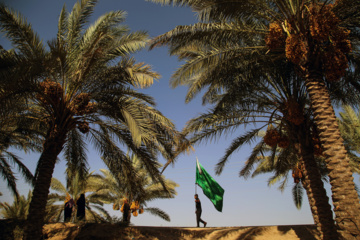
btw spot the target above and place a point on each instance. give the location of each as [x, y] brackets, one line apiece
[273, 138]
[320, 36]
[297, 174]
[51, 92]
[51, 95]
[293, 112]
[135, 207]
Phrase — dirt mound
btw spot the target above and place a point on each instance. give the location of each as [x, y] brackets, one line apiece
[103, 231]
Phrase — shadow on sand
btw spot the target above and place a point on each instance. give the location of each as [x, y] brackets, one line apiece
[107, 231]
[302, 231]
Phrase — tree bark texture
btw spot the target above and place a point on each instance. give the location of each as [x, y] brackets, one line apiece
[314, 186]
[344, 196]
[52, 148]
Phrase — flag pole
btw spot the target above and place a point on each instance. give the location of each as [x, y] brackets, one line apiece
[195, 179]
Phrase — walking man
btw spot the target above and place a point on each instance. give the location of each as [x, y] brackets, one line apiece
[198, 211]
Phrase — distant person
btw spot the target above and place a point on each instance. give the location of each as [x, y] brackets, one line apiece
[68, 209]
[126, 210]
[198, 211]
[80, 215]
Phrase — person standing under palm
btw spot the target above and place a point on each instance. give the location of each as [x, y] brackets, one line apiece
[81, 208]
[198, 211]
[68, 209]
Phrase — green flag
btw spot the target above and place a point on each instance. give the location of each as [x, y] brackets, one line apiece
[209, 186]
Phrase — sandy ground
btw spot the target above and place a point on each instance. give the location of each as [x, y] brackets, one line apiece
[58, 231]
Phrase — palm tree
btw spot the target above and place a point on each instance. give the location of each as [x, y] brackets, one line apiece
[281, 164]
[141, 188]
[19, 208]
[280, 169]
[350, 131]
[19, 211]
[13, 136]
[79, 93]
[316, 36]
[349, 123]
[15, 132]
[94, 206]
[267, 102]
[240, 101]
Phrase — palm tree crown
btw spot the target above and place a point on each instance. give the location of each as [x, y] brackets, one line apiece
[18, 210]
[141, 188]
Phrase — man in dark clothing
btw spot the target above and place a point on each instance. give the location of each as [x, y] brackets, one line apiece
[81, 207]
[198, 211]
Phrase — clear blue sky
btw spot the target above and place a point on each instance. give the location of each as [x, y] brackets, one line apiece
[246, 202]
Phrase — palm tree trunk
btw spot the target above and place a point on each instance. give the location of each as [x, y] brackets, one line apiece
[314, 212]
[314, 186]
[52, 148]
[344, 196]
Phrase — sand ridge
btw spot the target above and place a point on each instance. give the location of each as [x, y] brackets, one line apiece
[58, 231]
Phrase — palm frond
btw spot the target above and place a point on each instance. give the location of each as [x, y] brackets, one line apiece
[62, 25]
[236, 144]
[20, 33]
[25, 172]
[8, 175]
[75, 155]
[58, 186]
[298, 192]
[130, 43]
[158, 212]
[77, 19]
